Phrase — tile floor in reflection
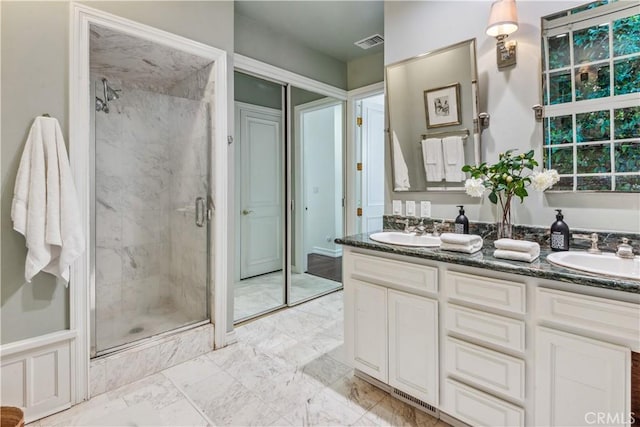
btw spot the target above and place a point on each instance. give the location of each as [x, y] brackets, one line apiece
[287, 369]
[261, 293]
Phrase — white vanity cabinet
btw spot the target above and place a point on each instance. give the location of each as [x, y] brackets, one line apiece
[370, 354]
[487, 348]
[391, 326]
[413, 345]
[583, 359]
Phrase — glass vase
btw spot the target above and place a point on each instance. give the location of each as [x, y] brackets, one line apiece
[504, 228]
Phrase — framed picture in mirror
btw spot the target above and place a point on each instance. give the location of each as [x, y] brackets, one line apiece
[442, 106]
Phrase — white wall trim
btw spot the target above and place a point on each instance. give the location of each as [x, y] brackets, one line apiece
[79, 133]
[333, 253]
[354, 96]
[33, 343]
[36, 374]
[262, 69]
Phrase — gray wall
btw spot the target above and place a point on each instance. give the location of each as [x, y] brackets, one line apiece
[257, 41]
[365, 71]
[35, 66]
[412, 28]
[255, 91]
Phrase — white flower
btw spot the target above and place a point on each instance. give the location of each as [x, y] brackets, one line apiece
[474, 187]
[540, 181]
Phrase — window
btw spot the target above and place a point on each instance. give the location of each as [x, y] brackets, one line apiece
[591, 93]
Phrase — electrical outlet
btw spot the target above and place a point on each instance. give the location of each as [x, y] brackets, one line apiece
[425, 209]
[410, 208]
[397, 207]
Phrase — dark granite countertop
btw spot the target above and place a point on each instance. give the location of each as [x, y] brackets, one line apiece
[484, 259]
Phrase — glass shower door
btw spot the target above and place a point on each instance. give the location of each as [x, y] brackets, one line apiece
[152, 157]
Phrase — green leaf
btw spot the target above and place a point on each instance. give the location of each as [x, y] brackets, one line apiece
[493, 197]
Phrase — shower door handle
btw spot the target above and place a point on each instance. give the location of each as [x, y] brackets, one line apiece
[200, 208]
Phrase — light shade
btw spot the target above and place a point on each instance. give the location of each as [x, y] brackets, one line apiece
[503, 18]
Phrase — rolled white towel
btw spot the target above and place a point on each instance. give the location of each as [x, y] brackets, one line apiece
[517, 246]
[515, 255]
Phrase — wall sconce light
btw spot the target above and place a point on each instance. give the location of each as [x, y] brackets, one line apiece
[503, 20]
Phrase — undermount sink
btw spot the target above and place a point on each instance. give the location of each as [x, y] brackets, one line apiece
[406, 239]
[607, 264]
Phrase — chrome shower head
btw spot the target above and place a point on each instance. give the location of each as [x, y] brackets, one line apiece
[101, 105]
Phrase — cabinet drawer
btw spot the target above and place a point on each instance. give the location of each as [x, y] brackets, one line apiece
[485, 368]
[390, 272]
[489, 328]
[488, 292]
[616, 318]
[477, 408]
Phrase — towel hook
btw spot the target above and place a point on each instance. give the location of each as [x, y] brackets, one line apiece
[46, 115]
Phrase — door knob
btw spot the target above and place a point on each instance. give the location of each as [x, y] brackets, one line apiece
[246, 212]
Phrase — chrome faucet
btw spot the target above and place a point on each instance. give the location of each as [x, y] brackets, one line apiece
[625, 250]
[593, 238]
[420, 229]
[436, 231]
[405, 222]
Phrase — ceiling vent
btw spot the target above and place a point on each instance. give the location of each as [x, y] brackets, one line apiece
[370, 41]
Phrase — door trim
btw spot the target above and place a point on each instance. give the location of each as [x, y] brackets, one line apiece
[285, 77]
[354, 96]
[81, 17]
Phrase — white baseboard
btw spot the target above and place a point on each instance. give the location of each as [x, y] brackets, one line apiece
[334, 253]
[36, 374]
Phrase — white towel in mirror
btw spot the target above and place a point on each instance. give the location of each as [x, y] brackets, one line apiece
[433, 160]
[454, 158]
[400, 170]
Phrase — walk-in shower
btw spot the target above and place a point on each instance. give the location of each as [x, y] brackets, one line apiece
[151, 177]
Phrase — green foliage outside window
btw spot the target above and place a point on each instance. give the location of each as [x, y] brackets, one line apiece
[591, 44]
[626, 36]
[627, 122]
[626, 72]
[593, 126]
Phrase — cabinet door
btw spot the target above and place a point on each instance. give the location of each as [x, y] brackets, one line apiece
[413, 345]
[580, 380]
[370, 329]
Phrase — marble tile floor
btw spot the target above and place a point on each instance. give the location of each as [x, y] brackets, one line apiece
[261, 293]
[127, 327]
[287, 369]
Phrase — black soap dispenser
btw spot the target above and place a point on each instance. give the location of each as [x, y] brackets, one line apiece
[559, 233]
[462, 222]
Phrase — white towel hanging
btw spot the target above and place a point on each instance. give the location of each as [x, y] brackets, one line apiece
[45, 206]
[453, 149]
[433, 160]
[400, 170]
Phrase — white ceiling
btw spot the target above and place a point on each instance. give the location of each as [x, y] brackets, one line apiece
[330, 27]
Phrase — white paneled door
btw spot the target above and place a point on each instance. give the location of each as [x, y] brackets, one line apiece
[262, 188]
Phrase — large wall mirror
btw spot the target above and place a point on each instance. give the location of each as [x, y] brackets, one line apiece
[432, 116]
[591, 81]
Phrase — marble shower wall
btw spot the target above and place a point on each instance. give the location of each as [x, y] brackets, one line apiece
[151, 164]
[132, 205]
